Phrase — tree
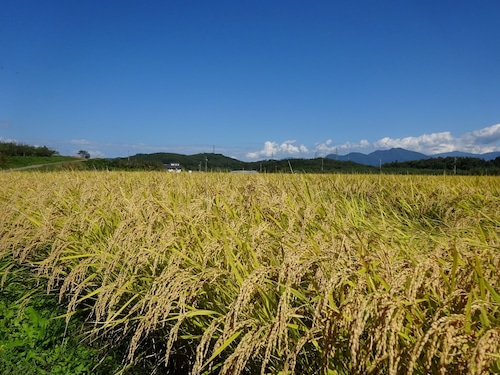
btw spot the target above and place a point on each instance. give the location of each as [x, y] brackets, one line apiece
[83, 154]
[3, 160]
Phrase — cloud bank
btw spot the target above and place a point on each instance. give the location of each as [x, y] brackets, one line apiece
[479, 142]
[272, 149]
[485, 136]
[7, 140]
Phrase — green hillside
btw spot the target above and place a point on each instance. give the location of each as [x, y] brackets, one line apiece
[14, 155]
[196, 162]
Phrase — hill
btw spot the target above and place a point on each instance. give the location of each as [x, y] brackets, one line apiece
[16, 156]
[196, 162]
[219, 162]
[458, 154]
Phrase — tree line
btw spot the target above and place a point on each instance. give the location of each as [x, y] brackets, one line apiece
[459, 165]
[19, 149]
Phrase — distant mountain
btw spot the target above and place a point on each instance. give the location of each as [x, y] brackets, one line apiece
[355, 157]
[401, 155]
[380, 157]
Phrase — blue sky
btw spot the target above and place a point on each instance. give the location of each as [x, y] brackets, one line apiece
[250, 79]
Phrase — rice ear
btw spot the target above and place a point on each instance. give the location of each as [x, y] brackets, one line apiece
[268, 273]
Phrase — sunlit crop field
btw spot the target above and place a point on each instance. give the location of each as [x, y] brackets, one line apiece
[268, 273]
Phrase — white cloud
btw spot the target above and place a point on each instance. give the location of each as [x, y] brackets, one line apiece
[427, 143]
[90, 147]
[96, 154]
[479, 142]
[274, 150]
[483, 136]
[328, 147]
[7, 140]
[82, 142]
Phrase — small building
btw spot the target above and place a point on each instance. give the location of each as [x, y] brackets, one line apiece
[173, 167]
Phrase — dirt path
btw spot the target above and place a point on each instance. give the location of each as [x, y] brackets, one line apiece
[42, 165]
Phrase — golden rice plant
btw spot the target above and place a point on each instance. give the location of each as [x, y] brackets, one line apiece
[270, 274]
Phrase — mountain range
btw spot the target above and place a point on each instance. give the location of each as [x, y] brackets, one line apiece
[379, 157]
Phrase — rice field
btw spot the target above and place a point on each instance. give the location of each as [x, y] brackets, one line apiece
[212, 273]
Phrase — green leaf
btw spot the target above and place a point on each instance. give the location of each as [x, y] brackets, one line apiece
[222, 347]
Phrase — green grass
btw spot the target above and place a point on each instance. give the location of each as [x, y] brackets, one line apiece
[33, 340]
[24, 161]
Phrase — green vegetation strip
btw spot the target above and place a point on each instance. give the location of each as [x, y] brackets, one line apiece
[14, 162]
[271, 274]
[33, 340]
